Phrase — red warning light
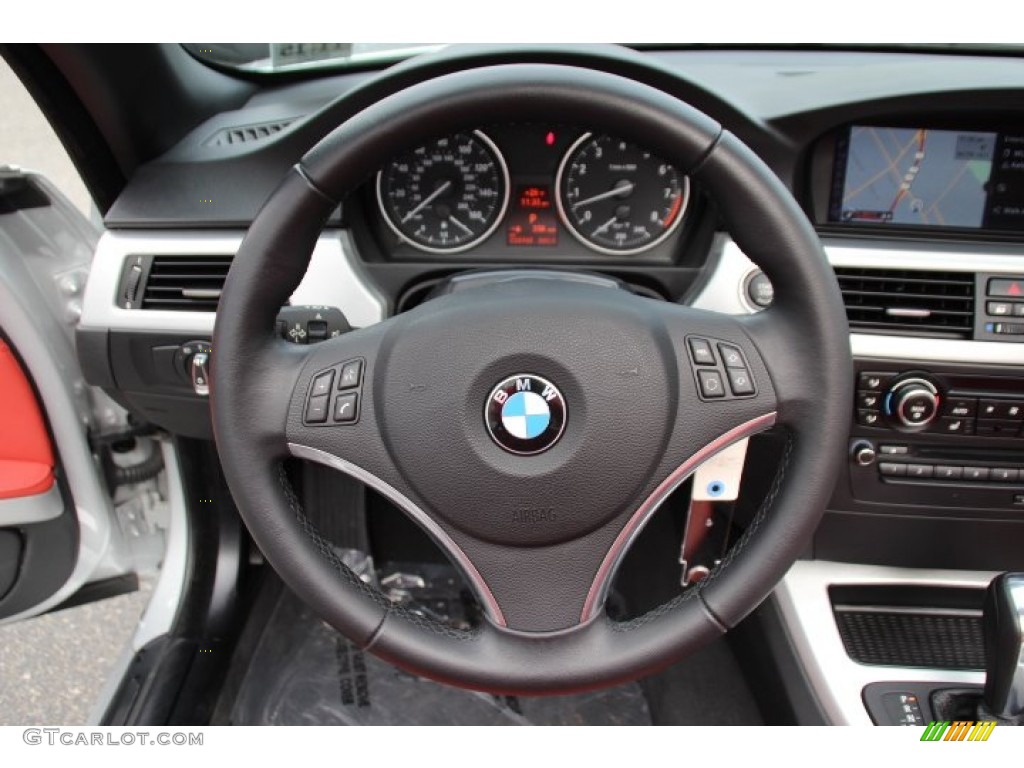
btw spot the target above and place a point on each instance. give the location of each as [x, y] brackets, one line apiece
[1014, 289]
[550, 139]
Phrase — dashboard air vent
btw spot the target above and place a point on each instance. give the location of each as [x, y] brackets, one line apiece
[185, 283]
[909, 302]
[244, 134]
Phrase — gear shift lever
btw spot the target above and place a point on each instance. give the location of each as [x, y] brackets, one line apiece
[1003, 626]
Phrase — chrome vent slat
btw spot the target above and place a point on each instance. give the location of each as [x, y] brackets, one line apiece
[903, 301]
[187, 277]
[185, 283]
[902, 295]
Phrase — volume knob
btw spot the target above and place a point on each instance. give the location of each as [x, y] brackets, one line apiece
[913, 403]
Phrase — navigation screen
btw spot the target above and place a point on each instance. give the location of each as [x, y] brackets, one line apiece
[915, 177]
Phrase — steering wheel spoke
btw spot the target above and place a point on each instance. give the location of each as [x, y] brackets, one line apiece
[332, 410]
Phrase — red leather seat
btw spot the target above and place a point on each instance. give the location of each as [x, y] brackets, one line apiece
[26, 453]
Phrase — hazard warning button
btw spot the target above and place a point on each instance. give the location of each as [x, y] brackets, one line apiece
[1002, 287]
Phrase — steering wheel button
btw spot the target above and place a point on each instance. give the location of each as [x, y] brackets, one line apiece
[316, 409]
[731, 355]
[711, 384]
[740, 381]
[317, 330]
[346, 407]
[350, 374]
[701, 352]
[322, 384]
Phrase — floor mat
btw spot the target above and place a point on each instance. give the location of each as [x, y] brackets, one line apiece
[304, 673]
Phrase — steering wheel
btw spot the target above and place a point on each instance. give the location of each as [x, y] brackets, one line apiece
[616, 402]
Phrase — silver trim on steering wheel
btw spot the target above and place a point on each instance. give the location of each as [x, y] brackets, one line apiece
[602, 581]
[442, 539]
[610, 565]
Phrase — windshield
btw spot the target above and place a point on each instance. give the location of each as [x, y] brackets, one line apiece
[287, 57]
[268, 58]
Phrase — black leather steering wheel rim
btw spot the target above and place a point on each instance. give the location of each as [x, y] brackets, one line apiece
[802, 340]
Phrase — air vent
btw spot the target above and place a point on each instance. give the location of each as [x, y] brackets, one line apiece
[244, 134]
[909, 302]
[185, 283]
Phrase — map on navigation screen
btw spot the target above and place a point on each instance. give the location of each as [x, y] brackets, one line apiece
[916, 177]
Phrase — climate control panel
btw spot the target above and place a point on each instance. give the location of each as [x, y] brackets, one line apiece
[920, 401]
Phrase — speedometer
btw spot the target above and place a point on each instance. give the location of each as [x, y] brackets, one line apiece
[618, 198]
[447, 195]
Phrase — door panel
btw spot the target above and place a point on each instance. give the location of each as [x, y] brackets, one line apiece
[26, 454]
[58, 529]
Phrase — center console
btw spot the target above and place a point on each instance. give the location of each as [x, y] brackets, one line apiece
[885, 608]
[945, 437]
[930, 508]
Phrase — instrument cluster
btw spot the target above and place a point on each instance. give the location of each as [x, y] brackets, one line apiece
[547, 190]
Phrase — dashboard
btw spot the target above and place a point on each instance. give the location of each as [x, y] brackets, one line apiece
[911, 166]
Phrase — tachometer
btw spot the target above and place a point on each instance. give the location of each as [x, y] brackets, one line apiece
[445, 196]
[618, 198]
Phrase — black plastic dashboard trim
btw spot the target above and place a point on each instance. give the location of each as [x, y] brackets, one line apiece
[169, 191]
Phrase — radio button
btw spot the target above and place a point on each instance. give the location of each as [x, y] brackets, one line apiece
[1004, 475]
[920, 470]
[948, 473]
[894, 450]
[976, 473]
[892, 469]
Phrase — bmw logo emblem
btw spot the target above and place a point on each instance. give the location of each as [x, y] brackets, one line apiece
[525, 414]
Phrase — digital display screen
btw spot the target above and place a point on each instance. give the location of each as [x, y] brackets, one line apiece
[533, 221]
[919, 177]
